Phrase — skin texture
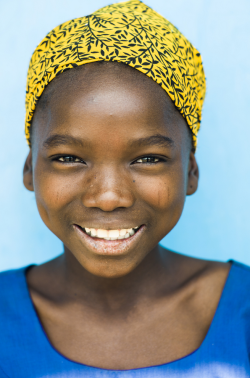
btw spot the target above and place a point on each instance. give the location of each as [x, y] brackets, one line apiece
[116, 305]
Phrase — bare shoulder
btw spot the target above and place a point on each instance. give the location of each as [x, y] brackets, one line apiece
[202, 283]
[214, 273]
[190, 268]
[210, 278]
[45, 280]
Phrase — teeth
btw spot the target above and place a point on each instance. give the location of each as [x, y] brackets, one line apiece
[111, 234]
[93, 232]
[122, 232]
[102, 233]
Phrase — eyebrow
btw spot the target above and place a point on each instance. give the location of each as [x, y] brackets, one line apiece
[56, 140]
[154, 140]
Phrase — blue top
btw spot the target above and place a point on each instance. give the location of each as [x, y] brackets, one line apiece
[25, 351]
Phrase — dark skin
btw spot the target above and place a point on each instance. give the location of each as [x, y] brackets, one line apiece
[110, 151]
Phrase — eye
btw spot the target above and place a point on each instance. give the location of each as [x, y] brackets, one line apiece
[68, 159]
[148, 160]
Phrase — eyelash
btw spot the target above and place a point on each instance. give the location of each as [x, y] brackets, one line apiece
[148, 160]
[75, 159]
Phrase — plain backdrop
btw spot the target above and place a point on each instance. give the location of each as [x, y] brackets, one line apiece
[215, 223]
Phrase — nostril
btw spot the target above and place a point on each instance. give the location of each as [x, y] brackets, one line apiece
[108, 200]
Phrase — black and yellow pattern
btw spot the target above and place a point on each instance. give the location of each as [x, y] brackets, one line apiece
[131, 33]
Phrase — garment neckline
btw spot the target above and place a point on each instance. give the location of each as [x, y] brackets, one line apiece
[58, 355]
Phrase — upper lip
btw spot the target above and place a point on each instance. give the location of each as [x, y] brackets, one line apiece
[103, 227]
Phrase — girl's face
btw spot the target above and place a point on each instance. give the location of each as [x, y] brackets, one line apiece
[109, 152]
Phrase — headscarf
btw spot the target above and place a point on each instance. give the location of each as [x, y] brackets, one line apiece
[131, 33]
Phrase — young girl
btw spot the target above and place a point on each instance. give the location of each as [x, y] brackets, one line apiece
[112, 158]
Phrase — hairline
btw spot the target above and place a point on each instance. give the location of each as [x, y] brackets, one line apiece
[45, 97]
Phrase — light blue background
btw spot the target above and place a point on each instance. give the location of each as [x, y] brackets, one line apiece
[215, 223]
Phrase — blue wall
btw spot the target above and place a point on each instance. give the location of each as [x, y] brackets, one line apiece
[215, 222]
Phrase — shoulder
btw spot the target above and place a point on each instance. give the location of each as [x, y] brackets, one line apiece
[234, 303]
[241, 269]
[9, 275]
[14, 316]
[238, 283]
[231, 277]
[12, 286]
[14, 296]
[199, 271]
[212, 279]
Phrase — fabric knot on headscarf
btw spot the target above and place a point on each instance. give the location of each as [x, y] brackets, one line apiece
[131, 33]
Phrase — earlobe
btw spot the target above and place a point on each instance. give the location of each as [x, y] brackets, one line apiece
[193, 175]
[28, 173]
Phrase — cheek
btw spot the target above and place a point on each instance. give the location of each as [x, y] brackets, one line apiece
[53, 195]
[164, 193]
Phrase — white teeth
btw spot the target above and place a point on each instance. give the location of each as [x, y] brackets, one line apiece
[111, 234]
[122, 232]
[93, 232]
[102, 233]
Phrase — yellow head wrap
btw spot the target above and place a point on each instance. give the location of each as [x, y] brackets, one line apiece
[130, 33]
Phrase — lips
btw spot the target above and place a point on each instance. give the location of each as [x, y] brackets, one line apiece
[104, 245]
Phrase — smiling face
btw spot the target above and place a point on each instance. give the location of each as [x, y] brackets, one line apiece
[111, 164]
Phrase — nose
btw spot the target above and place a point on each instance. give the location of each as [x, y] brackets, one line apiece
[108, 190]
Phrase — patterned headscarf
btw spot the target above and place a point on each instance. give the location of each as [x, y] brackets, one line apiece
[131, 33]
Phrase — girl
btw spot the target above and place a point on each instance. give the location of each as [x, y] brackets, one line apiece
[112, 158]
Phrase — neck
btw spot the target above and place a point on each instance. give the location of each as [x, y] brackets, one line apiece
[115, 293]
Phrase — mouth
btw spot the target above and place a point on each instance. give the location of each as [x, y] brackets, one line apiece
[119, 234]
[110, 242]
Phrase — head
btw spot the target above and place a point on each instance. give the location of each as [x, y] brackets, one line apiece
[109, 151]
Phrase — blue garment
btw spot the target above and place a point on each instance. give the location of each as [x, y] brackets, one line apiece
[25, 351]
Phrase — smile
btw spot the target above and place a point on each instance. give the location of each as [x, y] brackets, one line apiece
[124, 233]
[110, 242]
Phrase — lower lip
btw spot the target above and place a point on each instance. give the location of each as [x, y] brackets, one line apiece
[109, 247]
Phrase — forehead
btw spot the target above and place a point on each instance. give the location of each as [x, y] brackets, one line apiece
[95, 80]
[105, 93]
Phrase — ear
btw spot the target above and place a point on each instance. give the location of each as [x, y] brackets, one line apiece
[193, 175]
[28, 173]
